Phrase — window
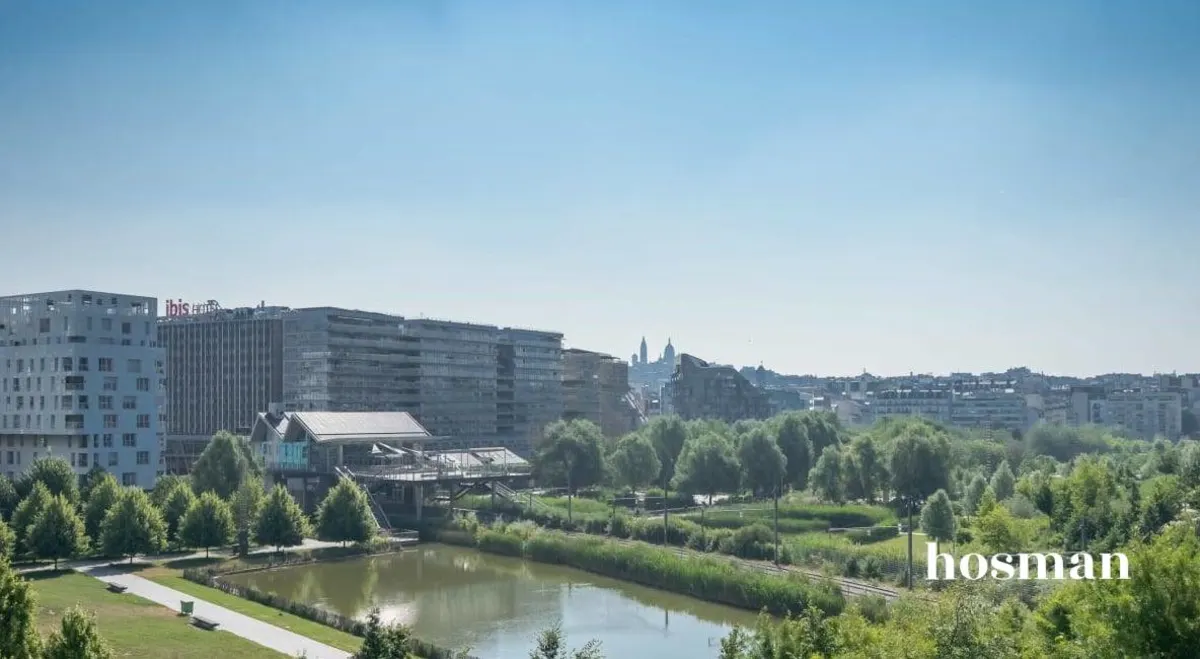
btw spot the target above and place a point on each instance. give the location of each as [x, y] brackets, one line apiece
[126, 328]
[128, 478]
[135, 366]
[110, 383]
[110, 420]
[67, 364]
[106, 324]
[143, 384]
[83, 363]
[143, 457]
[83, 402]
[129, 439]
[67, 402]
[107, 438]
[129, 403]
[143, 420]
[43, 325]
[112, 458]
[106, 402]
[105, 364]
[83, 461]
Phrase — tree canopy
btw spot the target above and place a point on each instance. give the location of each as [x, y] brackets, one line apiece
[345, 514]
[133, 526]
[222, 466]
[207, 523]
[571, 454]
[281, 523]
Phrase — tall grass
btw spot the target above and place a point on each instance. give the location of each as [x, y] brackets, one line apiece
[706, 578]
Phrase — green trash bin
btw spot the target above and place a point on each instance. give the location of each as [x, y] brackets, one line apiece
[185, 607]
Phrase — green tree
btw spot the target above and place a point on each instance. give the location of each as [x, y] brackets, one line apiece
[635, 463]
[8, 542]
[668, 435]
[90, 479]
[764, 466]
[974, 494]
[826, 476]
[57, 532]
[133, 526]
[56, 474]
[345, 514]
[552, 645]
[222, 466]
[571, 453]
[8, 498]
[920, 463]
[937, 518]
[1163, 503]
[281, 522]
[77, 638]
[207, 523]
[986, 502]
[998, 532]
[1189, 464]
[822, 429]
[382, 641]
[163, 488]
[247, 503]
[869, 469]
[178, 503]
[1003, 481]
[18, 617]
[792, 436]
[102, 496]
[707, 466]
[27, 511]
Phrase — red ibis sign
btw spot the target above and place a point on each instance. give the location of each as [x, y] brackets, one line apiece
[177, 308]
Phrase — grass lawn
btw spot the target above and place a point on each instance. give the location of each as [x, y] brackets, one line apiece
[134, 627]
[316, 631]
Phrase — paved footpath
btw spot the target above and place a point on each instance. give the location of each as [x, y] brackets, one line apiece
[280, 640]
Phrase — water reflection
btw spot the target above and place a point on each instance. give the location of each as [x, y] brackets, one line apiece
[460, 597]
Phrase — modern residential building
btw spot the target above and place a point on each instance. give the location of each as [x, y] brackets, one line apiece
[224, 366]
[699, 390]
[596, 387]
[81, 377]
[1145, 414]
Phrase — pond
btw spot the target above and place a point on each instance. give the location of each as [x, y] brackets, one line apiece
[459, 597]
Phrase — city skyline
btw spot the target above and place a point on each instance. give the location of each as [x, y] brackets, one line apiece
[926, 192]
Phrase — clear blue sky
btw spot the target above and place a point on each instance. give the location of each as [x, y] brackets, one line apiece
[824, 187]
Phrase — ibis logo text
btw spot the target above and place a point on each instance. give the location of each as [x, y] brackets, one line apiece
[1079, 566]
[177, 308]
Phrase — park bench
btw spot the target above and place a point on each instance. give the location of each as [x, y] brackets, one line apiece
[117, 588]
[205, 623]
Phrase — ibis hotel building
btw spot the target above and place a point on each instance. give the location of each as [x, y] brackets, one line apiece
[81, 378]
[224, 366]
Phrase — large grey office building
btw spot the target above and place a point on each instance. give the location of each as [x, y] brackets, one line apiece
[224, 366]
[469, 384]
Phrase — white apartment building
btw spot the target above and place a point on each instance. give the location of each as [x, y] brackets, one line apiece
[81, 377]
[1146, 414]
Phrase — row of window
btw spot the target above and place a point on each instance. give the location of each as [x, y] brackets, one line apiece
[70, 421]
[72, 383]
[106, 325]
[71, 401]
[103, 364]
[81, 459]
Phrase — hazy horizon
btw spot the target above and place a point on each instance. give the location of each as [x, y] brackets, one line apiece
[819, 187]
